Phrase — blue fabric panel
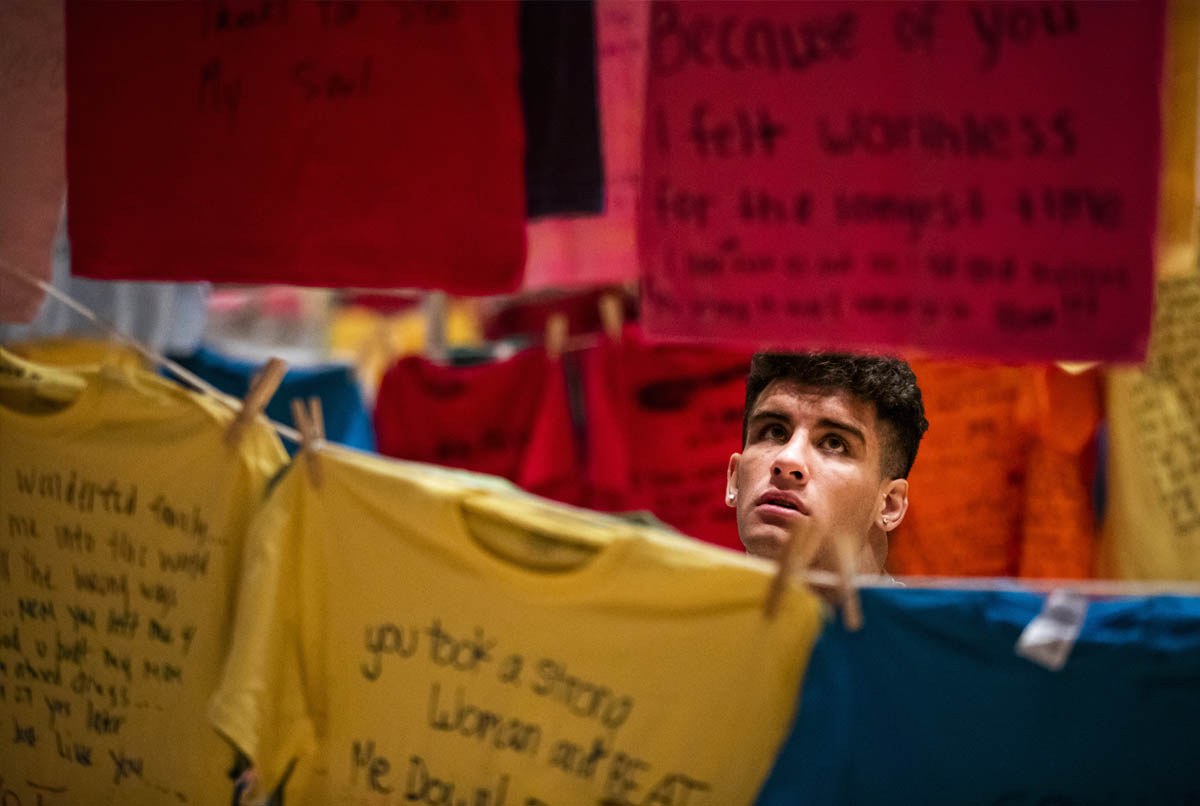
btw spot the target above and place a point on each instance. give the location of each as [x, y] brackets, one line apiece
[930, 704]
[346, 419]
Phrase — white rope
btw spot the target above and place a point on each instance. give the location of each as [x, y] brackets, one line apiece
[151, 355]
[1089, 587]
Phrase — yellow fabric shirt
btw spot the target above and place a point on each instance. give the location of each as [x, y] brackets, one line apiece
[1152, 526]
[1176, 248]
[415, 637]
[1152, 523]
[78, 352]
[123, 514]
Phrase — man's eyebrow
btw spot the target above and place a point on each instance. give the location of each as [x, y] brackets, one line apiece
[768, 414]
[826, 422]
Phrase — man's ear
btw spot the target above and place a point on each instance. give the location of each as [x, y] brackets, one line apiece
[731, 481]
[894, 504]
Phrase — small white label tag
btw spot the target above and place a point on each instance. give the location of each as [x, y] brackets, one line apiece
[1049, 638]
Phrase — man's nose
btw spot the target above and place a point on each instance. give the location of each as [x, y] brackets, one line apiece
[792, 461]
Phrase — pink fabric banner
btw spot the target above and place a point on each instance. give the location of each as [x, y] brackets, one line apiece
[597, 250]
[964, 179]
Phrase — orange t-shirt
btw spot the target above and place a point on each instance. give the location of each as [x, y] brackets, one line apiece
[1000, 484]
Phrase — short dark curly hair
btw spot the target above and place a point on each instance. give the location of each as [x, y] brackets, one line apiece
[885, 381]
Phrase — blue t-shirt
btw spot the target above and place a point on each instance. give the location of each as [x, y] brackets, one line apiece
[929, 704]
[346, 419]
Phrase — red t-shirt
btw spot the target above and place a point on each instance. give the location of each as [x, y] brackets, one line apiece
[505, 418]
[662, 424]
[369, 144]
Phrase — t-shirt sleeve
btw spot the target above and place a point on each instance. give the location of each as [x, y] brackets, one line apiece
[261, 703]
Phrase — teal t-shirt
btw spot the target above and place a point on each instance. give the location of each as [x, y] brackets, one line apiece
[930, 704]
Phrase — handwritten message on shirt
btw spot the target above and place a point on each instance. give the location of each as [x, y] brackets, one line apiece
[971, 179]
[581, 740]
[105, 631]
[1166, 406]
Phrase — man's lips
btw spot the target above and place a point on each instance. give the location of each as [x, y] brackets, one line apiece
[782, 503]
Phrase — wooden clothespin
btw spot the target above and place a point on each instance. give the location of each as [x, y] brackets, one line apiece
[799, 552]
[612, 316]
[798, 555]
[310, 422]
[436, 318]
[556, 335]
[844, 555]
[262, 386]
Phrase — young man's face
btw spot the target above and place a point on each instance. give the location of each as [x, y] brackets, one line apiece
[812, 464]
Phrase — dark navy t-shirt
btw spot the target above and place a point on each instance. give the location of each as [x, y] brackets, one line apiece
[930, 704]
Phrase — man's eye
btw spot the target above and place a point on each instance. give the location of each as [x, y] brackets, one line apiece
[832, 442]
[773, 431]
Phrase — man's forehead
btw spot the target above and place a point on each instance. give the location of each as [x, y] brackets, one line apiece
[792, 397]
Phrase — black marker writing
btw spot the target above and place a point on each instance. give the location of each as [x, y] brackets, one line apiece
[1019, 23]
[481, 724]
[733, 43]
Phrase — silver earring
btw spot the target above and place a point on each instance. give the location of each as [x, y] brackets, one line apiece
[730, 496]
[885, 520]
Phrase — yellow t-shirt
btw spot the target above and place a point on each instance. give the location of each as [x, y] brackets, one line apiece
[78, 352]
[413, 637]
[1176, 247]
[1152, 523]
[123, 515]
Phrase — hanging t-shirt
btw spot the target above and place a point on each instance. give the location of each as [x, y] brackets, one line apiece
[999, 487]
[1059, 534]
[415, 639]
[336, 144]
[125, 515]
[598, 249]
[929, 703]
[564, 171]
[1152, 522]
[663, 421]
[343, 411]
[964, 517]
[506, 418]
[1175, 253]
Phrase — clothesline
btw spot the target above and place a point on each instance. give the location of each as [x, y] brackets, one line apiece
[1090, 587]
[145, 352]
